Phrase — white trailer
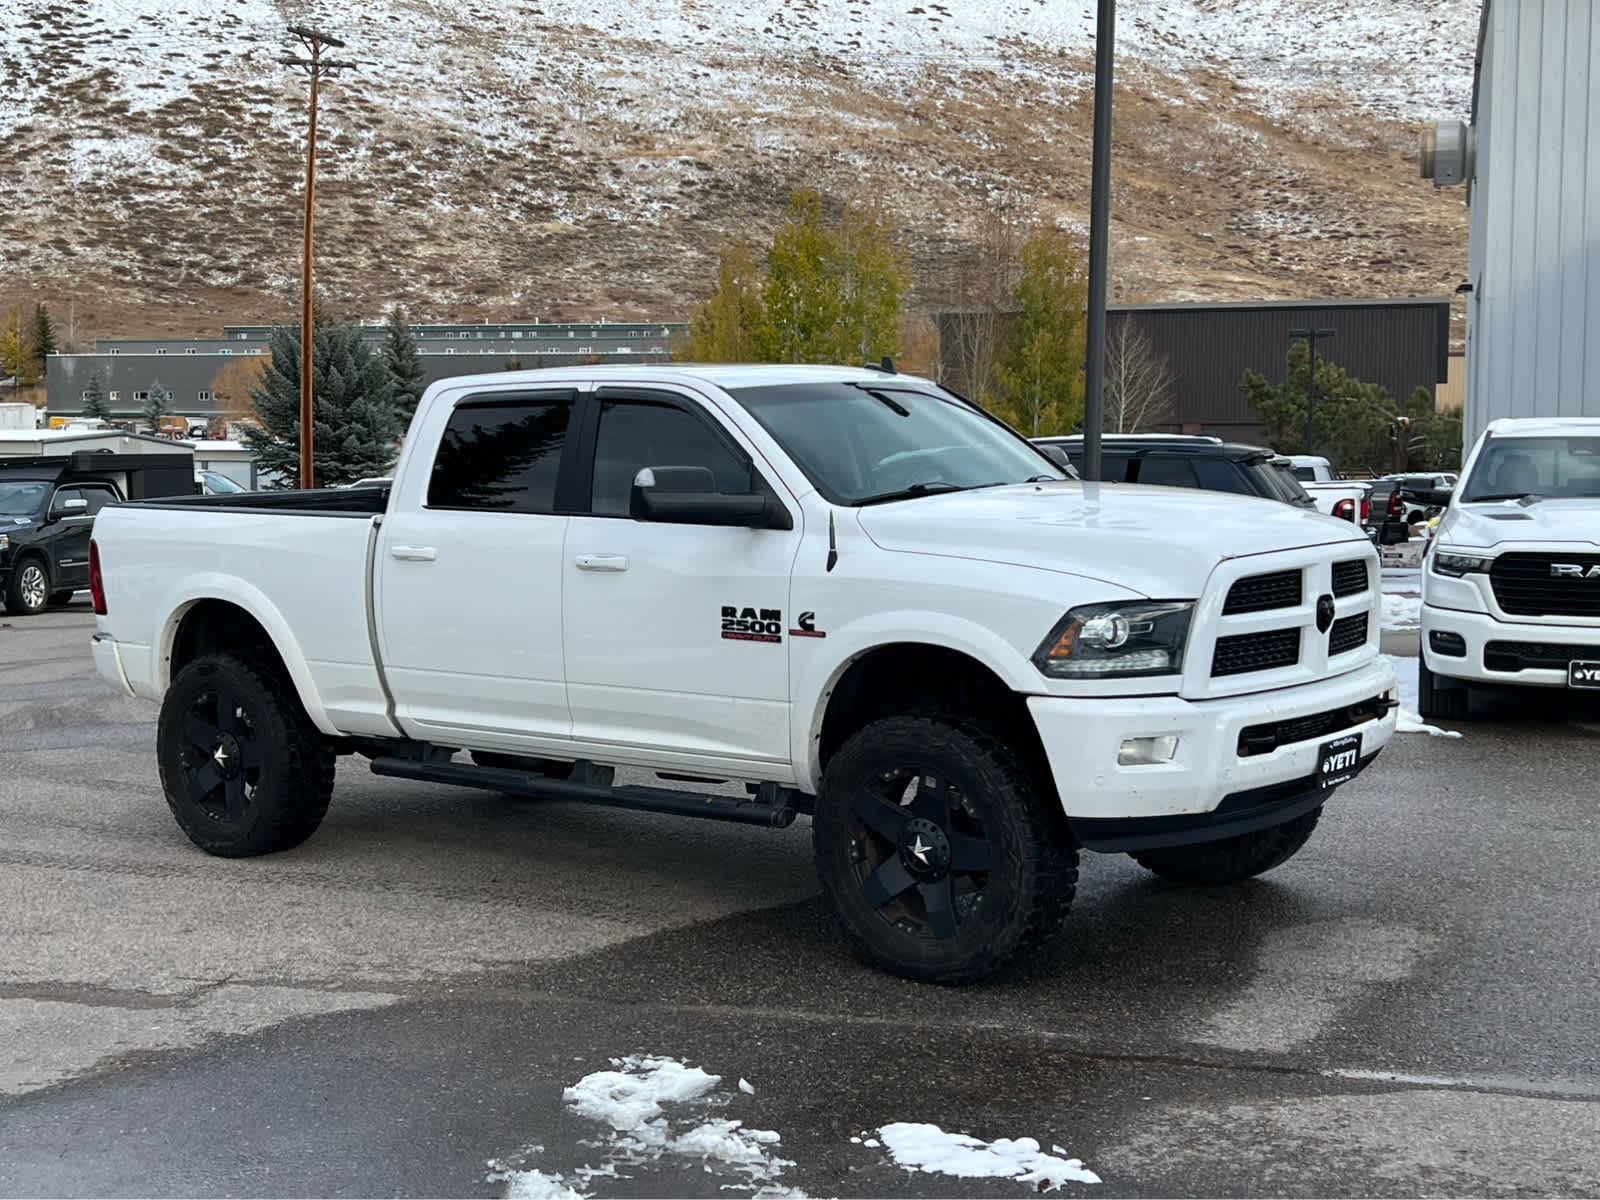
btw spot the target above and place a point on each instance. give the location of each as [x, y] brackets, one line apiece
[1530, 160]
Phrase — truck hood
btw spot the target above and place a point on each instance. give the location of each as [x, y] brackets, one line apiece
[1159, 542]
[1487, 525]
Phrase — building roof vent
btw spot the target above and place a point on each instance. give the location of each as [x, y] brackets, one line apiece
[1449, 153]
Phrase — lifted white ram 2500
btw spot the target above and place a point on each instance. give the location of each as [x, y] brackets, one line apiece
[850, 590]
[1511, 577]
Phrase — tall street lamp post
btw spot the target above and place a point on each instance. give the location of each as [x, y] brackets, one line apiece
[1094, 367]
[315, 66]
[1311, 336]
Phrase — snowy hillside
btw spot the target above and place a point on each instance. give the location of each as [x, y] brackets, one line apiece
[582, 155]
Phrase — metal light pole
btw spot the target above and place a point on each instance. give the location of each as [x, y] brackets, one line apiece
[1311, 336]
[315, 67]
[1094, 367]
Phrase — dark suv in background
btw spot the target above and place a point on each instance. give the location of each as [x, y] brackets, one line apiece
[1188, 460]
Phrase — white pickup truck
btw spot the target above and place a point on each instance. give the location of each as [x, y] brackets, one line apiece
[849, 590]
[1347, 499]
[1511, 577]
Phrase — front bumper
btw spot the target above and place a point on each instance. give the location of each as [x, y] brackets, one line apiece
[1500, 651]
[1205, 790]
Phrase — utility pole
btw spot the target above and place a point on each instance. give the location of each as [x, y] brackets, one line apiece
[1311, 336]
[1094, 367]
[315, 66]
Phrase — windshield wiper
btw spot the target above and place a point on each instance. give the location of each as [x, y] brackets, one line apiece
[916, 489]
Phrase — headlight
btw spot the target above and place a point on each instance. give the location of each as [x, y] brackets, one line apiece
[1141, 637]
[1448, 562]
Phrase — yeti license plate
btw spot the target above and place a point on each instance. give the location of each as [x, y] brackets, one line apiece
[1338, 760]
[1583, 674]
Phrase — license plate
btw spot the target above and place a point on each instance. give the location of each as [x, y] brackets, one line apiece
[1583, 674]
[1339, 760]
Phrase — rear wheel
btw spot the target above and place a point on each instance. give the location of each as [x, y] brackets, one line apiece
[244, 770]
[939, 857]
[1231, 859]
[1439, 700]
[28, 589]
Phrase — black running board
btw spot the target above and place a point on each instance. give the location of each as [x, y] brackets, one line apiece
[772, 804]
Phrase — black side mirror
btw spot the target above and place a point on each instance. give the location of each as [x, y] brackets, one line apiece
[75, 507]
[689, 496]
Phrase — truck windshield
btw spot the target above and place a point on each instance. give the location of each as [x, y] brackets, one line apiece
[20, 499]
[863, 442]
[1555, 468]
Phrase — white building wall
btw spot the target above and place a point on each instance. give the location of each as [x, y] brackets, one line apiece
[1533, 318]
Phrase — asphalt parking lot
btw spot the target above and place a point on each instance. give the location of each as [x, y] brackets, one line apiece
[397, 1007]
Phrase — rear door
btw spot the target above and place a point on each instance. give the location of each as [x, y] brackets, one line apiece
[468, 574]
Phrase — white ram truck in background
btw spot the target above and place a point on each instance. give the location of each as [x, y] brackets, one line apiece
[1347, 499]
[1511, 577]
[851, 591]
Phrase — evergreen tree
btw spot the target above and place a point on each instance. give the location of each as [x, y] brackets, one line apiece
[158, 405]
[44, 339]
[94, 400]
[831, 295]
[727, 327]
[1041, 369]
[405, 368]
[356, 420]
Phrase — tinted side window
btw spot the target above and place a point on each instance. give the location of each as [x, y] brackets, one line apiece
[501, 456]
[1221, 475]
[1167, 472]
[634, 434]
[98, 498]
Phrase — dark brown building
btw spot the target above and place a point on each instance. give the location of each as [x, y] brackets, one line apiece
[1398, 344]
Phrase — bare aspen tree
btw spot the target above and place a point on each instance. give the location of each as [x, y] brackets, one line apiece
[1138, 381]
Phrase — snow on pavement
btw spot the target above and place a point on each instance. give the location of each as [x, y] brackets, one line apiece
[1405, 673]
[633, 1101]
[1401, 612]
[921, 1147]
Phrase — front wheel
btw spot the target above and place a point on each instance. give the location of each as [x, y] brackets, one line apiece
[244, 770]
[28, 590]
[938, 855]
[1437, 701]
[1230, 860]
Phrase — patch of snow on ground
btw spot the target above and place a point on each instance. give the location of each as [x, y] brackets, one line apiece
[633, 1100]
[917, 1146]
[1405, 672]
[1402, 612]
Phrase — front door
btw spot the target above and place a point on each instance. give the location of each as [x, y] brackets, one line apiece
[468, 576]
[70, 531]
[675, 634]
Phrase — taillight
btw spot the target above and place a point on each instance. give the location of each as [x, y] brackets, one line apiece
[1395, 503]
[1366, 510]
[97, 584]
[1345, 510]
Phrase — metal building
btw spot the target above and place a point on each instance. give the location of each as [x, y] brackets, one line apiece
[1530, 160]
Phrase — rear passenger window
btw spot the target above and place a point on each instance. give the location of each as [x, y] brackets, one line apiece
[502, 456]
[1220, 475]
[1167, 472]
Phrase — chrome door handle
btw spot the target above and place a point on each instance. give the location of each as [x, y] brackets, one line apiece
[414, 553]
[602, 562]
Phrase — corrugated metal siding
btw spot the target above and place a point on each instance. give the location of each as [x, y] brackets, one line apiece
[1533, 321]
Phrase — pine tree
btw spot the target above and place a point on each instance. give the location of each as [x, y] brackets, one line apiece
[405, 368]
[1041, 370]
[94, 400]
[44, 339]
[157, 405]
[356, 421]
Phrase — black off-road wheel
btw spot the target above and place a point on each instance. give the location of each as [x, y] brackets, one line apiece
[937, 852]
[1231, 859]
[1439, 701]
[28, 589]
[244, 769]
